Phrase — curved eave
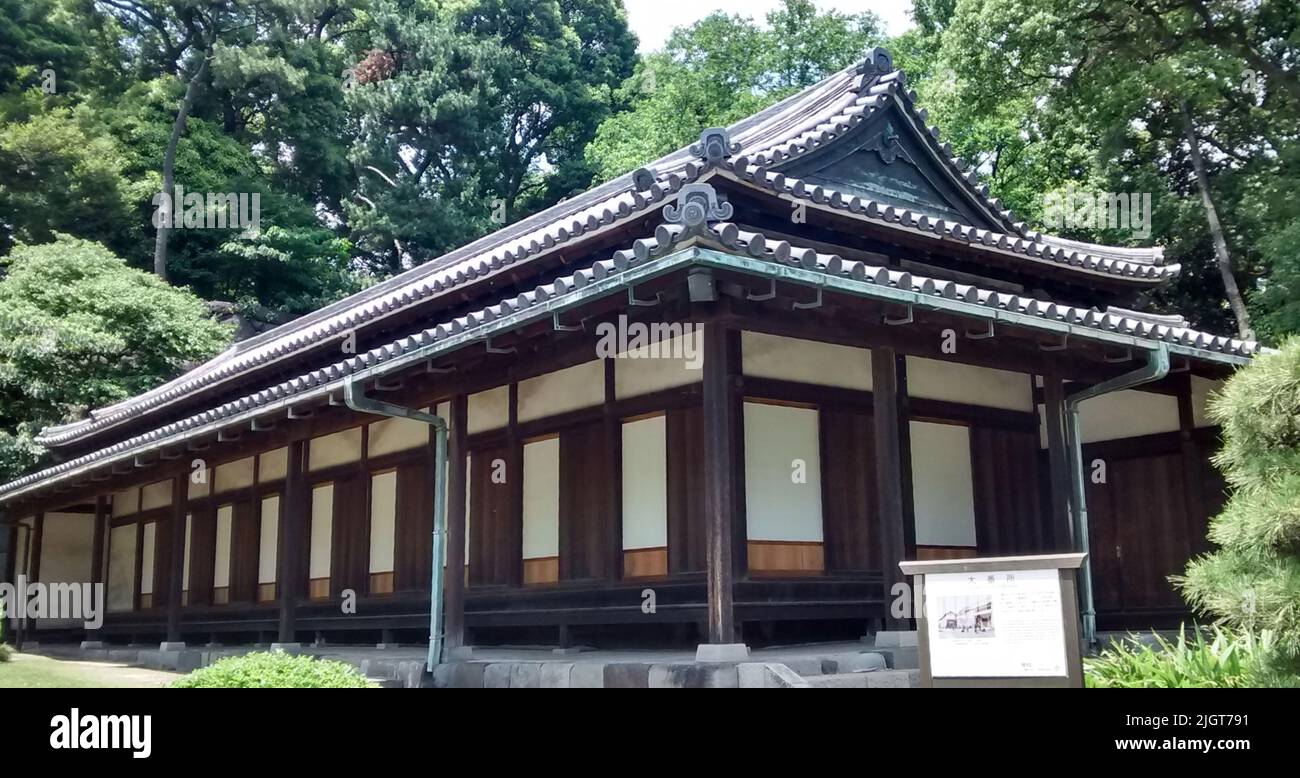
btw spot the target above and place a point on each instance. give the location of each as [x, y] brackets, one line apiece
[672, 248]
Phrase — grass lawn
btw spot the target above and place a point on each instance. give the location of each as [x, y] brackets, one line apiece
[29, 671]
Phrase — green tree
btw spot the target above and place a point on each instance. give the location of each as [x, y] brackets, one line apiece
[80, 329]
[1252, 581]
[719, 70]
[468, 109]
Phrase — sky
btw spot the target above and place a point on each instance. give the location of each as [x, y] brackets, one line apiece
[652, 20]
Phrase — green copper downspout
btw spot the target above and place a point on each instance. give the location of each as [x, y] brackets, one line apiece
[354, 397]
[1157, 367]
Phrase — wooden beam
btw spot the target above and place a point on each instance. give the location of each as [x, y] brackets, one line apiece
[722, 468]
[176, 575]
[292, 516]
[97, 541]
[897, 536]
[1058, 463]
[454, 584]
[38, 537]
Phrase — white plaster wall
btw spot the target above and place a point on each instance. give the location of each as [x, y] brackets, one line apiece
[198, 489]
[67, 541]
[541, 498]
[126, 501]
[1202, 388]
[942, 489]
[776, 507]
[383, 521]
[273, 465]
[268, 540]
[185, 564]
[645, 483]
[391, 435]
[150, 535]
[570, 389]
[156, 495]
[339, 448]
[234, 475]
[935, 379]
[805, 361]
[121, 567]
[488, 410]
[1128, 414]
[221, 559]
[322, 529]
[679, 363]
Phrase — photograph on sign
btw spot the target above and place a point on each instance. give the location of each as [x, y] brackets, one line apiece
[995, 624]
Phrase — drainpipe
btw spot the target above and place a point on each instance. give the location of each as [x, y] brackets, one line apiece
[1157, 367]
[354, 397]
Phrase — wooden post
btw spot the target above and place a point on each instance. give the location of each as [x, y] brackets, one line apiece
[515, 487]
[291, 517]
[897, 537]
[454, 581]
[1193, 479]
[721, 507]
[1058, 464]
[34, 561]
[180, 500]
[613, 444]
[97, 542]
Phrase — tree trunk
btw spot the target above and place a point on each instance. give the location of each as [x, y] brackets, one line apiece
[1222, 258]
[169, 168]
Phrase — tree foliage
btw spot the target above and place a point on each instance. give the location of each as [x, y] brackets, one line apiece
[719, 70]
[1252, 581]
[82, 330]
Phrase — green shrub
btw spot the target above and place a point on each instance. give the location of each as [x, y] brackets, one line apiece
[274, 670]
[1227, 661]
[1251, 582]
[4, 652]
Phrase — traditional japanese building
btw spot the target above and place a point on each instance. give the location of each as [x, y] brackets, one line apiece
[717, 399]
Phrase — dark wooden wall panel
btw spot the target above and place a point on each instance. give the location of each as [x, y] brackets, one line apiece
[849, 511]
[1009, 511]
[685, 441]
[350, 544]
[1142, 529]
[162, 562]
[495, 546]
[586, 504]
[245, 536]
[203, 545]
[412, 558]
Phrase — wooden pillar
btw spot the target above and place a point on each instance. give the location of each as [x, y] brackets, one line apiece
[1193, 478]
[722, 468]
[1058, 464]
[292, 516]
[454, 581]
[176, 574]
[897, 536]
[99, 536]
[613, 445]
[34, 561]
[515, 488]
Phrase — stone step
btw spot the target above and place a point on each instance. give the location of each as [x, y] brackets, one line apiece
[873, 679]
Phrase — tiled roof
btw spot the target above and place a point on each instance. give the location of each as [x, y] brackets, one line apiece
[768, 139]
[620, 269]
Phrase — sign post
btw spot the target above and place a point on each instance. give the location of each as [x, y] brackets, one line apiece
[998, 621]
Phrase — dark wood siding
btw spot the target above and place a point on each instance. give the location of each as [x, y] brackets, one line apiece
[350, 544]
[1141, 530]
[685, 440]
[848, 489]
[244, 539]
[414, 527]
[586, 504]
[1009, 515]
[203, 544]
[495, 545]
